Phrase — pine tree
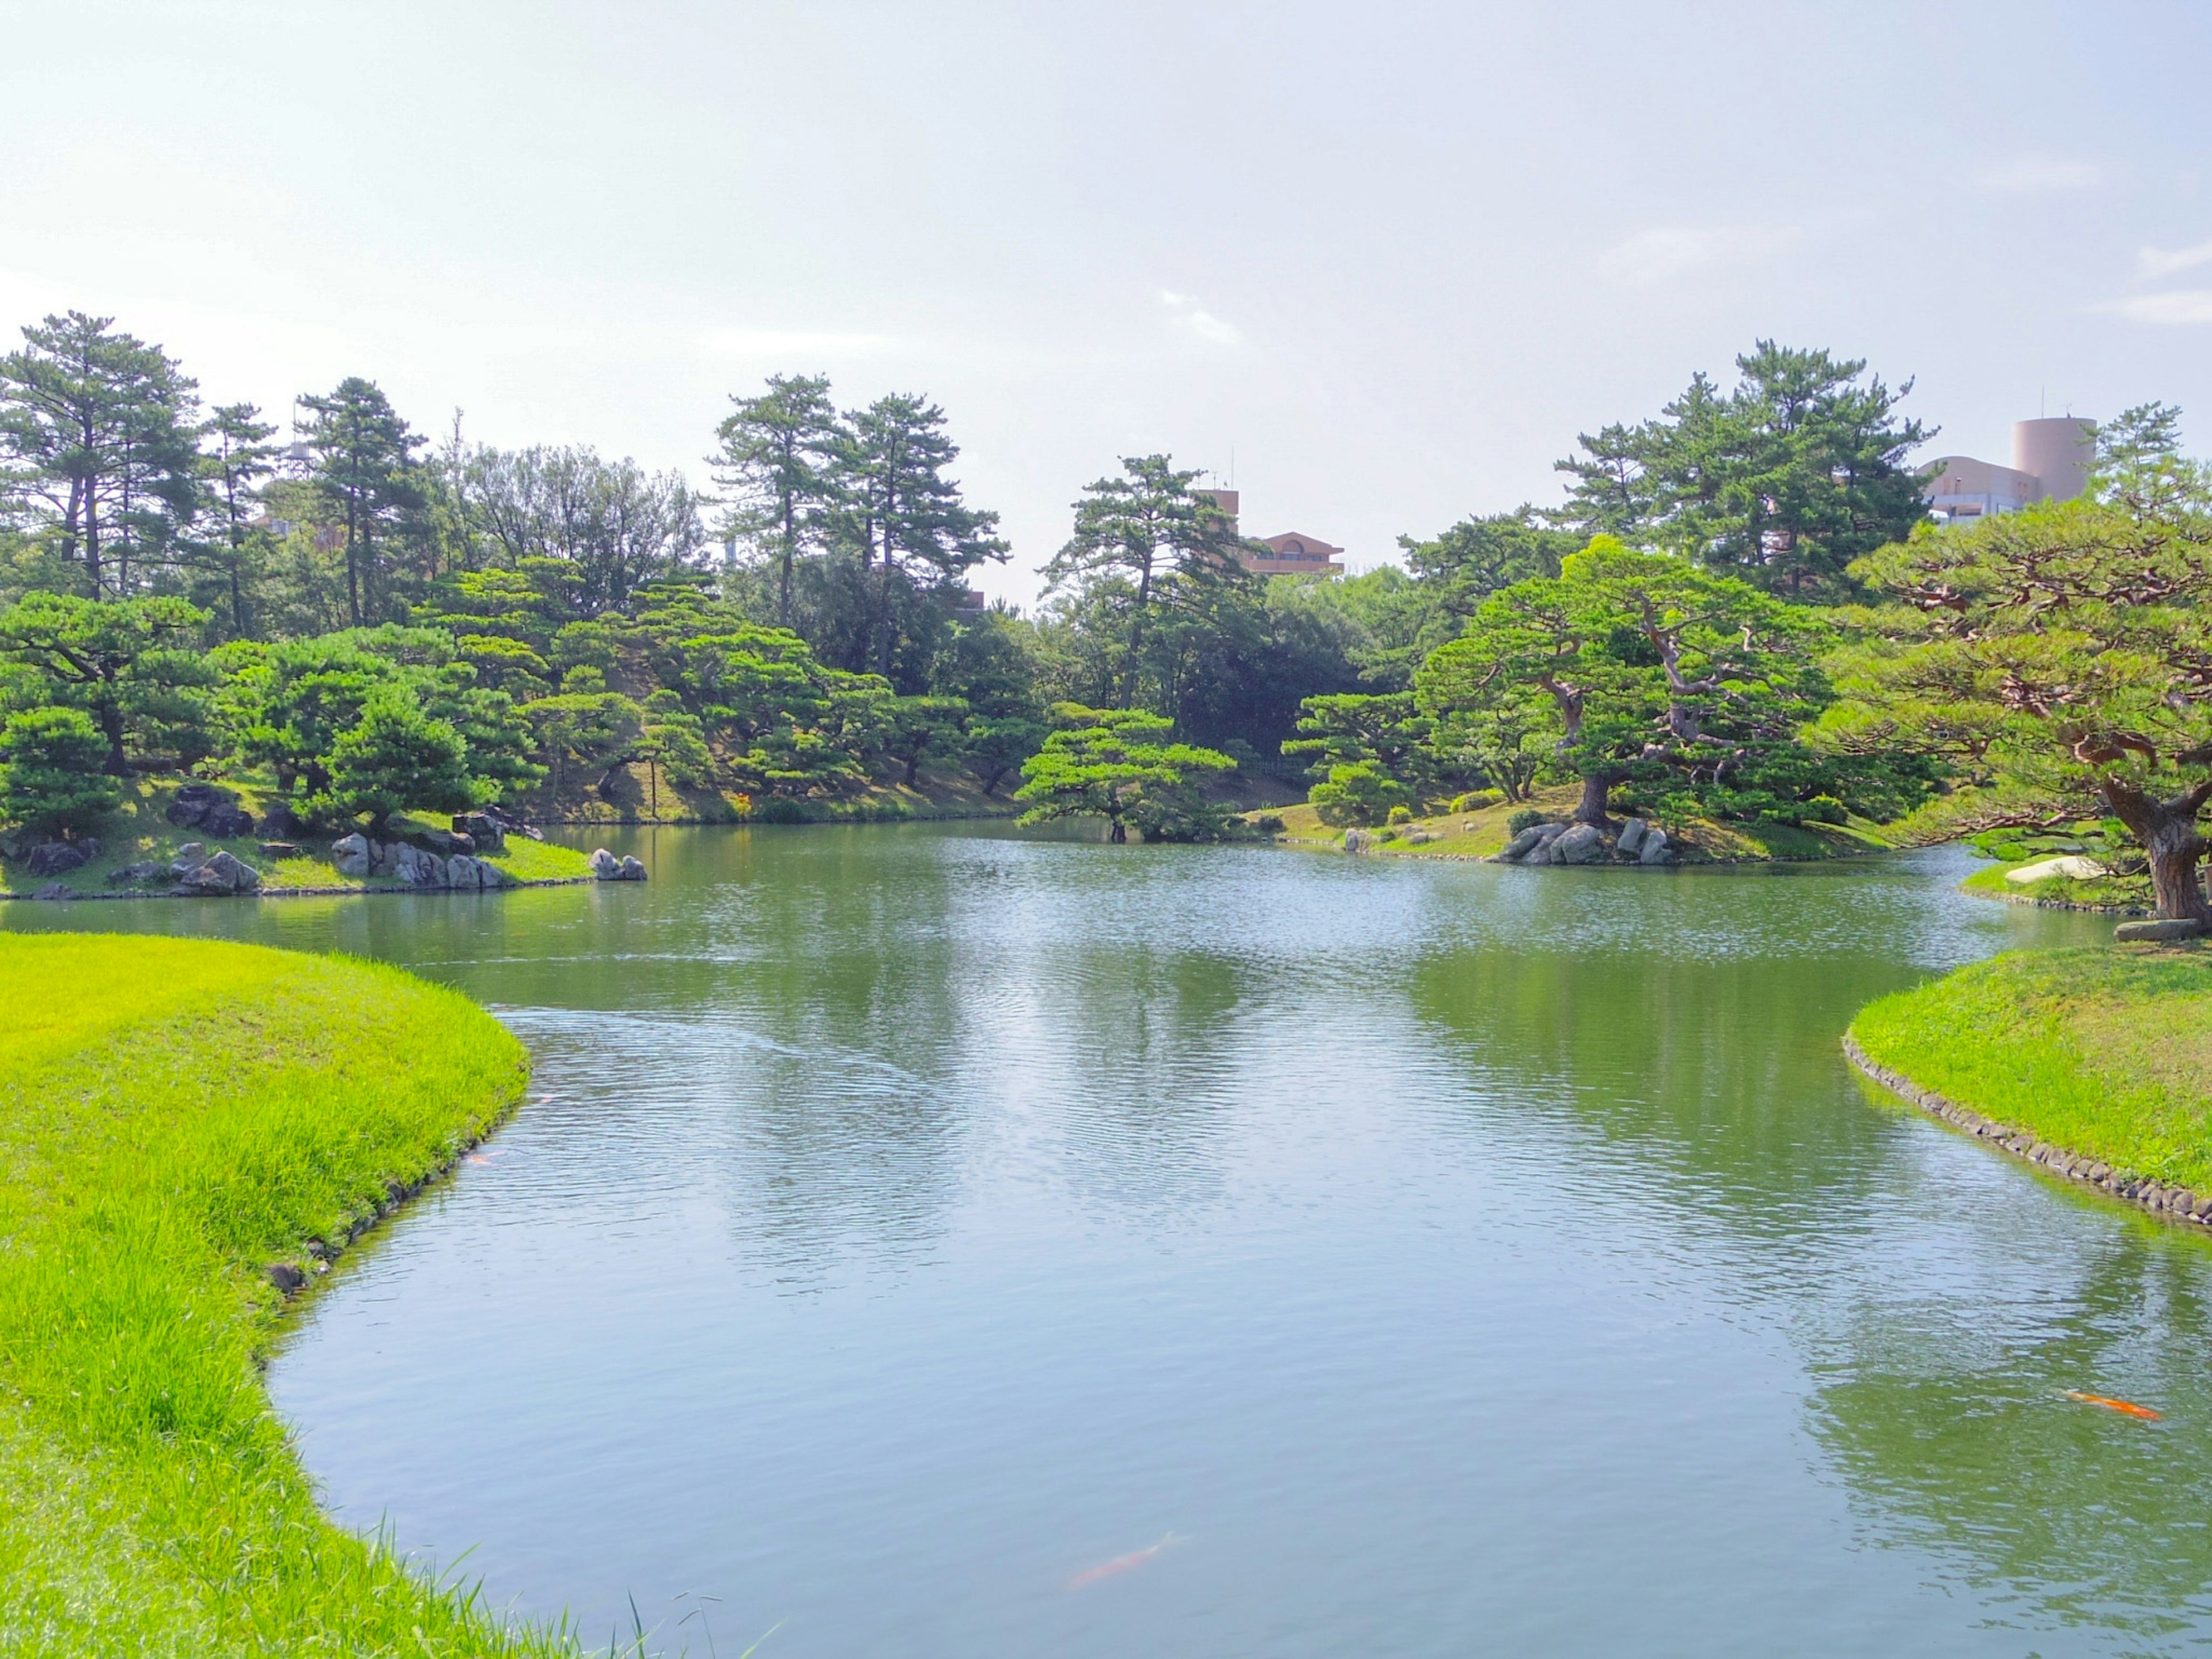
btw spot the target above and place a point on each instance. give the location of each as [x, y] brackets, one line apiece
[777, 462]
[99, 427]
[364, 468]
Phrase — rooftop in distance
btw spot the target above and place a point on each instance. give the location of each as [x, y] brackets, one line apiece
[1292, 554]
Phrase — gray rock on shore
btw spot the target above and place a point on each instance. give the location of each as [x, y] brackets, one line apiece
[1631, 836]
[2157, 932]
[222, 874]
[1583, 844]
[1655, 850]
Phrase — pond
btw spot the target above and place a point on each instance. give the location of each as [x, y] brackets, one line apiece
[936, 1241]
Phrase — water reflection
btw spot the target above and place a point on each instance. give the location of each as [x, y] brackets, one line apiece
[1453, 1255]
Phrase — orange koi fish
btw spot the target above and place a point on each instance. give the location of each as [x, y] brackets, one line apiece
[2128, 1406]
[1120, 1564]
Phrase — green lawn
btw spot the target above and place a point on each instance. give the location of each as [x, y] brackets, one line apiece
[2103, 1051]
[2100, 893]
[175, 1116]
[1481, 833]
[139, 832]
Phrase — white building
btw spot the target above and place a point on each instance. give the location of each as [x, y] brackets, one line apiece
[2049, 463]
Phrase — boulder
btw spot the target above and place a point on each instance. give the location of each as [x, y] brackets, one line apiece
[139, 875]
[632, 870]
[355, 855]
[190, 856]
[464, 873]
[2072, 866]
[1654, 850]
[280, 849]
[1580, 845]
[55, 858]
[485, 833]
[56, 889]
[1358, 840]
[1631, 837]
[211, 808]
[280, 823]
[1521, 844]
[509, 823]
[443, 842]
[605, 867]
[221, 874]
[415, 867]
[2158, 932]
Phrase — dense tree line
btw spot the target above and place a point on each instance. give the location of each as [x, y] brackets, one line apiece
[1740, 610]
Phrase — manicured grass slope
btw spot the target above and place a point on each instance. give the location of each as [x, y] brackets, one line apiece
[2107, 1052]
[175, 1116]
[1478, 834]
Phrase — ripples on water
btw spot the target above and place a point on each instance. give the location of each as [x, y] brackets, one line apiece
[1440, 1258]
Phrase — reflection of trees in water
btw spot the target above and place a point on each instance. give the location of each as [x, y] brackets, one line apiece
[1144, 1051]
[1720, 1079]
[1943, 1303]
[1968, 1446]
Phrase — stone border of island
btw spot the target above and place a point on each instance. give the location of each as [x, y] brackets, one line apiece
[2174, 1203]
[424, 861]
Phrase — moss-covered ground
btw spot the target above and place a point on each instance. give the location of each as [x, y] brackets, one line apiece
[175, 1116]
[137, 832]
[1483, 832]
[2104, 1051]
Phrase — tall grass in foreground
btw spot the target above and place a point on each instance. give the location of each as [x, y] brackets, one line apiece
[2107, 1052]
[174, 1116]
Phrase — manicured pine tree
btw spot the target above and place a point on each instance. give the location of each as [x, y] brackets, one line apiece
[777, 464]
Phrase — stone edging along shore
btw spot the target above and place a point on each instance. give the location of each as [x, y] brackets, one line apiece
[2174, 1203]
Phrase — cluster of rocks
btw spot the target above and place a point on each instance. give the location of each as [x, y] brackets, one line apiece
[605, 867]
[357, 856]
[1637, 842]
[215, 811]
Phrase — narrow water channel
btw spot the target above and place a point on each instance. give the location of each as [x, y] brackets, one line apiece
[942, 1243]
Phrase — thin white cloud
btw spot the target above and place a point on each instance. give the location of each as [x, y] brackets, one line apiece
[2036, 175]
[1189, 316]
[2177, 307]
[792, 342]
[1666, 252]
[2153, 262]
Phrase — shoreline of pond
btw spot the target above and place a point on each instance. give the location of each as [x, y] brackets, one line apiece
[2067, 1057]
[427, 1075]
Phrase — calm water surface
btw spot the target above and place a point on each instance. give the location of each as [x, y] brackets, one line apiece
[1429, 1260]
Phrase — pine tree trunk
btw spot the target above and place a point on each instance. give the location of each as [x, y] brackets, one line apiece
[1596, 789]
[2168, 830]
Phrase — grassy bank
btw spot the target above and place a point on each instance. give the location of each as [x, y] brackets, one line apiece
[1696, 841]
[137, 832]
[175, 1116]
[2106, 1053]
[2121, 895]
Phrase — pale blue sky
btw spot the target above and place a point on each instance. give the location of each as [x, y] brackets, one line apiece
[1393, 256]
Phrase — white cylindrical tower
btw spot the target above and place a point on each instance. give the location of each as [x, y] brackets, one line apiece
[2059, 451]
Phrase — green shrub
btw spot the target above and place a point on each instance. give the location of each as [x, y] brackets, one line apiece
[1360, 793]
[1527, 818]
[1825, 809]
[1476, 799]
[1401, 815]
[1270, 824]
[1386, 834]
[52, 779]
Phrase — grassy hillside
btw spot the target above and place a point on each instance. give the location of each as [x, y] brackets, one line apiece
[175, 1116]
[1480, 833]
[2106, 1053]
